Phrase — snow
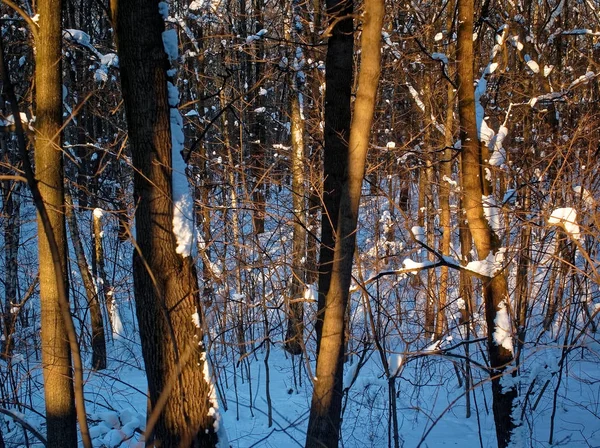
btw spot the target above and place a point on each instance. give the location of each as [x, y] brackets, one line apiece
[78, 36]
[566, 217]
[183, 204]
[583, 79]
[195, 5]
[409, 264]
[492, 212]
[510, 196]
[440, 57]
[219, 427]
[498, 157]
[419, 233]
[98, 213]
[452, 182]
[10, 119]
[416, 97]
[170, 42]
[163, 9]
[196, 319]
[587, 197]
[433, 347]
[533, 66]
[503, 333]
[488, 267]
[117, 323]
[396, 362]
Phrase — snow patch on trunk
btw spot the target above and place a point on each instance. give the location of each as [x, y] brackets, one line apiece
[502, 333]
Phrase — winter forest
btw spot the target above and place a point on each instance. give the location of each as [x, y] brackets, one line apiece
[280, 223]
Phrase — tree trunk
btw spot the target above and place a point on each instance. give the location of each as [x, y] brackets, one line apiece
[12, 230]
[56, 355]
[445, 216]
[486, 242]
[325, 419]
[98, 337]
[295, 330]
[165, 282]
[105, 289]
[338, 89]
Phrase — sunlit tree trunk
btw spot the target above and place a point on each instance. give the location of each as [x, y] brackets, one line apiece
[486, 242]
[165, 282]
[56, 355]
[325, 413]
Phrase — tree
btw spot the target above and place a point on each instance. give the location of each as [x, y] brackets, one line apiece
[56, 355]
[486, 242]
[165, 282]
[325, 412]
[338, 89]
[91, 290]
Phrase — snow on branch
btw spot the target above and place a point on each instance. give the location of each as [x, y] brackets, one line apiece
[567, 219]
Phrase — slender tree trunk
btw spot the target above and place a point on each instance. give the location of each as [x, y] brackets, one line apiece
[257, 144]
[165, 282]
[56, 355]
[295, 330]
[325, 413]
[445, 221]
[12, 230]
[486, 242]
[104, 287]
[338, 89]
[98, 337]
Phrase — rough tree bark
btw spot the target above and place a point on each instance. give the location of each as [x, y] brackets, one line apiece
[165, 282]
[325, 412]
[486, 242]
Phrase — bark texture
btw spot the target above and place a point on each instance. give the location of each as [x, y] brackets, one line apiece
[295, 329]
[486, 242]
[56, 355]
[98, 337]
[338, 89]
[166, 287]
[325, 412]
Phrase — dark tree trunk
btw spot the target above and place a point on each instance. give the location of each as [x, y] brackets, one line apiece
[338, 89]
[165, 282]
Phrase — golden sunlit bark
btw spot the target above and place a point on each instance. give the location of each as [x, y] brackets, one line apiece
[324, 422]
[485, 240]
[56, 355]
